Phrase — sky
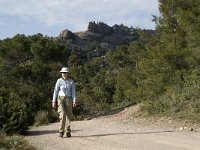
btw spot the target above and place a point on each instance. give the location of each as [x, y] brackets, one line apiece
[50, 17]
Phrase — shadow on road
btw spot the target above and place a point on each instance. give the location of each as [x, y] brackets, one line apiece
[43, 132]
[111, 134]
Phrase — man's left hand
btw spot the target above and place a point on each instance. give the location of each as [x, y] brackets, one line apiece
[74, 104]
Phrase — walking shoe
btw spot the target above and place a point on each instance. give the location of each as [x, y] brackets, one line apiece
[68, 134]
[61, 134]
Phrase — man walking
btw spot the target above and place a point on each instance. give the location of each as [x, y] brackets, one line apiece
[64, 97]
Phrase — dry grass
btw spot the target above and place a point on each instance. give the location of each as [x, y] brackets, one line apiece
[14, 142]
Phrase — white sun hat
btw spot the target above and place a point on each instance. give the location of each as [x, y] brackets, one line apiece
[64, 69]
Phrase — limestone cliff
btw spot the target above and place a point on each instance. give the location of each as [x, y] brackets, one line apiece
[99, 35]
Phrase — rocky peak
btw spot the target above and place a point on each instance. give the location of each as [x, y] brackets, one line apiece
[99, 32]
[99, 27]
[98, 39]
[66, 34]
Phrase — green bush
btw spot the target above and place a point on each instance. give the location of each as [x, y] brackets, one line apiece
[13, 112]
[41, 118]
[53, 116]
[14, 142]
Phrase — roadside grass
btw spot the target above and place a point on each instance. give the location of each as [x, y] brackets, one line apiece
[14, 142]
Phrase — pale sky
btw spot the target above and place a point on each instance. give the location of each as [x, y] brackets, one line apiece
[50, 17]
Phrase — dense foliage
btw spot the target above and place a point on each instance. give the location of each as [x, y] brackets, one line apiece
[28, 72]
[161, 71]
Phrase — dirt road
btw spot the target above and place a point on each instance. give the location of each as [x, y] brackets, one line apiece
[115, 132]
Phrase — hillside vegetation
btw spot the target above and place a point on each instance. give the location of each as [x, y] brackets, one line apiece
[161, 71]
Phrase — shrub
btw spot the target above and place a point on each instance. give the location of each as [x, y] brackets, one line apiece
[14, 142]
[41, 118]
[53, 116]
[13, 112]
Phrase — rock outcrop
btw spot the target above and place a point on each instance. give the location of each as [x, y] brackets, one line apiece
[66, 35]
[100, 27]
[99, 36]
[100, 32]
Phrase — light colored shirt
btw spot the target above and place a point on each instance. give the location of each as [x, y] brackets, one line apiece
[64, 88]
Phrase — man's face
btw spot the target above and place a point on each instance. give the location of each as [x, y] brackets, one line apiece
[65, 74]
